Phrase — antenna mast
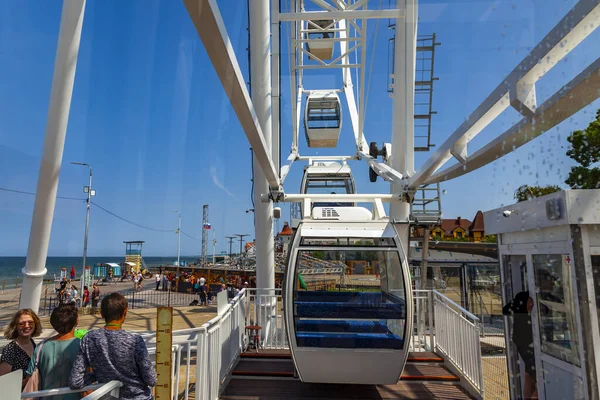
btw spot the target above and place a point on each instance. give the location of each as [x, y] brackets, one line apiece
[205, 228]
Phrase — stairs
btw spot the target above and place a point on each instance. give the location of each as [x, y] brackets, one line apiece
[270, 375]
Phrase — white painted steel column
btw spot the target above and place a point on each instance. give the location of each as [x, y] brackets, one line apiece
[260, 77]
[56, 127]
[403, 103]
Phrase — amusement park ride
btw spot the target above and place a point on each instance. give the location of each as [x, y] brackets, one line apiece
[328, 35]
[340, 337]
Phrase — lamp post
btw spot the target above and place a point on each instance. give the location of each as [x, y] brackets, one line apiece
[241, 240]
[230, 238]
[90, 192]
[178, 236]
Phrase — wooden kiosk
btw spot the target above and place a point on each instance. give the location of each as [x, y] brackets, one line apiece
[550, 247]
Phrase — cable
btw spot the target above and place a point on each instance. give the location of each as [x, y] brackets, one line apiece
[33, 194]
[191, 237]
[100, 207]
[130, 222]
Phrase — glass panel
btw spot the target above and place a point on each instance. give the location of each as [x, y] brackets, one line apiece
[556, 312]
[365, 309]
[359, 242]
[596, 272]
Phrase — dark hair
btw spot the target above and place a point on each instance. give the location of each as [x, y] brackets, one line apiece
[113, 307]
[11, 332]
[64, 318]
[85, 288]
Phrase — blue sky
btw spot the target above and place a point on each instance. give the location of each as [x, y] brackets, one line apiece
[149, 114]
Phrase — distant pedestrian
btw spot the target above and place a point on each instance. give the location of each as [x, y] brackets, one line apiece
[74, 294]
[95, 297]
[86, 297]
[165, 281]
[72, 272]
[158, 279]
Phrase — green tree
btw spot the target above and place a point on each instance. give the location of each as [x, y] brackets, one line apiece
[527, 192]
[490, 239]
[585, 149]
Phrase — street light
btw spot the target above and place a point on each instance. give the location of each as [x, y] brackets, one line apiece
[230, 238]
[90, 192]
[241, 240]
[178, 236]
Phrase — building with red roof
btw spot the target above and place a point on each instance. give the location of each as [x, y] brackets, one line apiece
[457, 229]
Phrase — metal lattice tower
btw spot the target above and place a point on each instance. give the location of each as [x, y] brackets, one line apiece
[205, 228]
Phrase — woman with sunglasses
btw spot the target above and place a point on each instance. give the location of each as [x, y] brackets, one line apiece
[24, 326]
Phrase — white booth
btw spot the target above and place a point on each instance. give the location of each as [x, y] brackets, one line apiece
[549, 248]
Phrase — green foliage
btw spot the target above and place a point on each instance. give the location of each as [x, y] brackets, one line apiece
[585, 149]
[490, 239]
[453, 239]
[527, 192]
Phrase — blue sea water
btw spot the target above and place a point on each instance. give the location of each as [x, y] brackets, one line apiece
[10, 267]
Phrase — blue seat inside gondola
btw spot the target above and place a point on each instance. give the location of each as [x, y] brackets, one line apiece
[349, 340]
[349, 305]
[360, 319]
[342, 326]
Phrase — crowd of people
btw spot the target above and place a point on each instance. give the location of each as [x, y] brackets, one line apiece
[64, 360]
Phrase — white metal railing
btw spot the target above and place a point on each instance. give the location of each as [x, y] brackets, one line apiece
[100, 391]
[266, 310]
[219, 343]
[423, 338]
[457, 337]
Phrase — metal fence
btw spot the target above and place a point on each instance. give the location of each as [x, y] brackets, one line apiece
[148, 297]
[457, 337]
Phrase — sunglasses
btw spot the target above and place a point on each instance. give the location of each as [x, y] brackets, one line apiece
[26, 323]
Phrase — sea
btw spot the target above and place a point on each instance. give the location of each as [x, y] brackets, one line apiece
[10, 267]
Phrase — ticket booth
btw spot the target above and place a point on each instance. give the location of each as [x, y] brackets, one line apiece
[549, 247]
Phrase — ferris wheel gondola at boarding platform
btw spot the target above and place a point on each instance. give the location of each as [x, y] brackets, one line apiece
[354, 333]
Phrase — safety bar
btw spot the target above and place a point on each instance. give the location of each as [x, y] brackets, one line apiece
[99, 391]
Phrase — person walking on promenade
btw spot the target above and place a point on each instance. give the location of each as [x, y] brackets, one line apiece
[95, 297]
[158, 279]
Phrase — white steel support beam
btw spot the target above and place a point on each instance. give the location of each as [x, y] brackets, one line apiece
[259, 27]
[402, 159]
[571, 98]
[357, 198]
[361, 143]
[65, 63]
[210, 27]
[260, 48]
[518, 88]
[359, 14]
[383, 170]
[276, 85]
[363, 61]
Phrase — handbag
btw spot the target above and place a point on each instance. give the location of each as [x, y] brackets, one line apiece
[33, 384]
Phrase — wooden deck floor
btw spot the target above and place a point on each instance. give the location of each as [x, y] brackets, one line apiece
[269, 375]
[259, 389]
